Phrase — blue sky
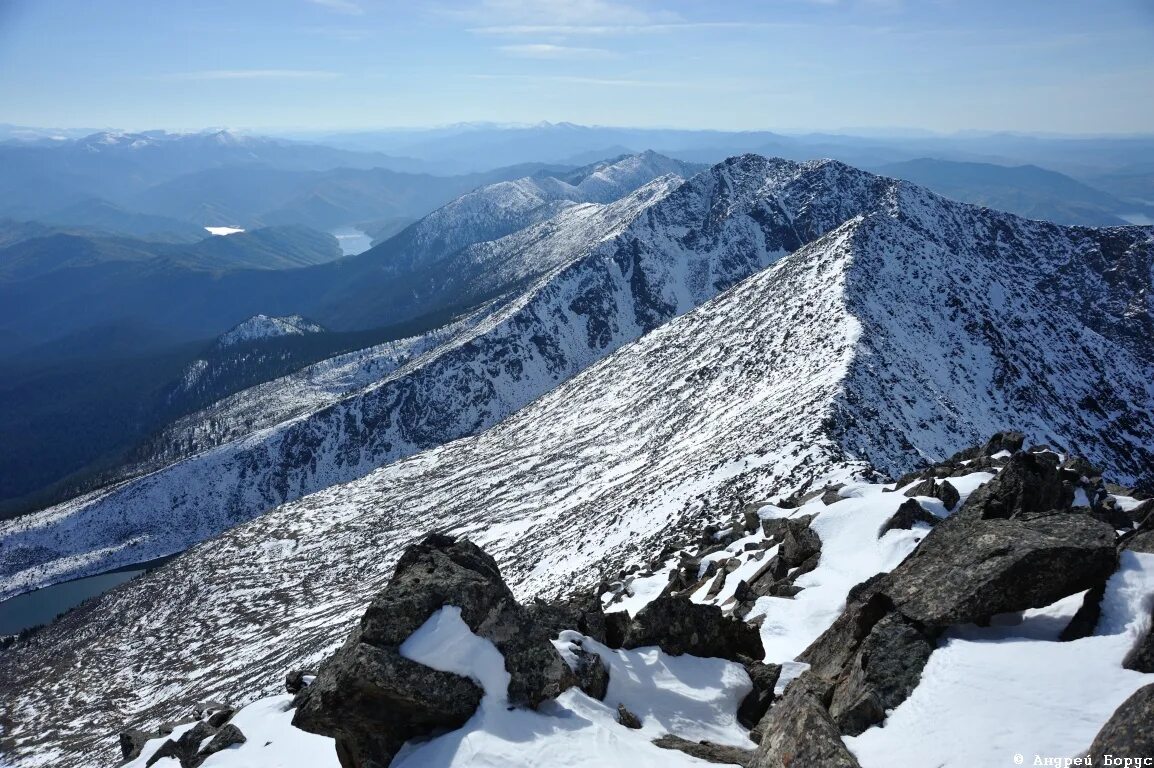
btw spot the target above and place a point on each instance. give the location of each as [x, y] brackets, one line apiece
[1078, 66]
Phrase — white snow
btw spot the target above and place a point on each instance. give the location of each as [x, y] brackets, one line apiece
[445, 642]
[851, 552]
[1018, 687]
[692, 697]
[260, 327]
[222, 231]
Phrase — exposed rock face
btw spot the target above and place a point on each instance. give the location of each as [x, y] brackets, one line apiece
[882, 674]
[1130, 730]
[1005, 550]
[1141, 656]
[679, 626]
[371, 699]
[969, 569]
[1028, 483]
[713, 753]
[798, 731]
[908, 514]
[757, 702]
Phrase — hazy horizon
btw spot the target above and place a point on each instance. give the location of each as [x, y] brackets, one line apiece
[794, 66]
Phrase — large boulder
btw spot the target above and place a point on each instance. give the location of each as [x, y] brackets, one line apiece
[677, 626]
[969, 568]
[881, 675]
[798, 731]
[371, 699]
[1130, 730]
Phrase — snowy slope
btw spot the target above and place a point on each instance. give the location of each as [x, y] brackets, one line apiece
[771, 386]
[259, 327]
[608, 275]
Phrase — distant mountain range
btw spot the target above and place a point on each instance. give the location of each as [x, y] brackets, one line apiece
[1026, 190]
[678, 354]
[894, 325]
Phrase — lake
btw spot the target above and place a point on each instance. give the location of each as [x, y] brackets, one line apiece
[44, 605]
[352, 240]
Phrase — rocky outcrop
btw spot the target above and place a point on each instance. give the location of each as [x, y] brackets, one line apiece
[1130, 730]
[882, 674]
[704, 750]
[1015, 544]
[1028, 483]
[968, 569]
[677, 626]
[798, 731]
[211, 728]
[909, 514]
[371, 699]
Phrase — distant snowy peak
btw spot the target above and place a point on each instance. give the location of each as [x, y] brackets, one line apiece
[262, 327]
[496, 210]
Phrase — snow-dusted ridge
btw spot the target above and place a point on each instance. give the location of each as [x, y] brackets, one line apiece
[912, 327]
[597, 277]
[912, 267]
[261, 327]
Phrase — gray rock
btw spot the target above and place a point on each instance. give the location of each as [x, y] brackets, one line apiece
[968, 569]
[923, 488]
[132, 742]
[1085, 620]
[798, 731]
[1130, 730]
[371, 700]
[798, 544]
[227, 736]
[704, 750]
[294, 681]
[1141, 541]
[866, 605]
[947, 494]
[907, 515]
[679, 626]
[1004, 441]
[592, 674]
[757, 702]
[882, 674]
[1141, 656]
[221, 716]
[1026, 484]
[830, 495]
[627, 718]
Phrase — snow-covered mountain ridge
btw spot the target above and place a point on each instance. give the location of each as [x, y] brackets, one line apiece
[914, 326]
[610, 274]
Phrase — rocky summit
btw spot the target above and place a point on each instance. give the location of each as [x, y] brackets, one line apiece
[831, 628]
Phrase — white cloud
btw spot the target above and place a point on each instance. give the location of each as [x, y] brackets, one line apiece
[550, 51]
[253, 74]
[567, 30]
[340, 6]
[576, 13]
